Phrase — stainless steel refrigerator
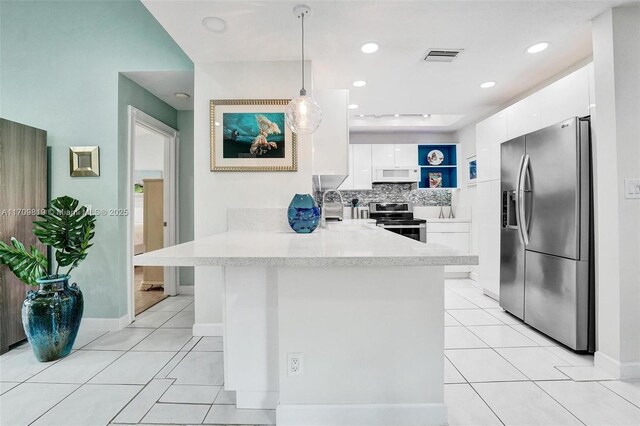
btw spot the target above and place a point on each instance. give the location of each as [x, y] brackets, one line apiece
[546, 273]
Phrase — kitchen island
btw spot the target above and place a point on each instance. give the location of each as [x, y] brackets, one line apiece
[344, 326]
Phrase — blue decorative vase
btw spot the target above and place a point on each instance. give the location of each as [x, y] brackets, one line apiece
[303, 214]
[51, 317]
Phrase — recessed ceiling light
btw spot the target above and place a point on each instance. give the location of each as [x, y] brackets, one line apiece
[361, 115]
[217, 124]
[354, 106]
[538, 47]
[359, 83]
[181, 95]
[426, 115]
[215, 24]
[488, 84]
[396, 115]
[369, 47]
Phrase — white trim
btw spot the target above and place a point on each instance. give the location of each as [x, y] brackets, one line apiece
[171, 148]
[362, 414]
[105, 324]
[491, 294]
[623, 371]
[265, 400]
[186, 289]
[208, 329]
[455, 275]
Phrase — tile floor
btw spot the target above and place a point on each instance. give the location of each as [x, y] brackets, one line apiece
[497, 372]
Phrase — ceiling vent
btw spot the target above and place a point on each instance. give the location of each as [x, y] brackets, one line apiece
[442, 55]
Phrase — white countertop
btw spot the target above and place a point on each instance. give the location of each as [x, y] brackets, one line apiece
[351, 243]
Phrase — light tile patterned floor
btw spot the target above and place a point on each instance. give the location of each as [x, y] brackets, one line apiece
[497, 371]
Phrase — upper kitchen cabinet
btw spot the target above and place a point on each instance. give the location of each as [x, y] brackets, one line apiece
[490, 133]
[405, 155]
[394, 155]
[359, 168]
[331, 140]
[383, 155]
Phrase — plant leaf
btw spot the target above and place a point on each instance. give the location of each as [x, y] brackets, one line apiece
[66, 228]
[26, 265]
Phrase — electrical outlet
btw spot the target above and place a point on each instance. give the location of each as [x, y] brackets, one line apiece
[295, 364]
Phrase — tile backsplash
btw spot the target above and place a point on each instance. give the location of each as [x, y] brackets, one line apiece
[393, 192]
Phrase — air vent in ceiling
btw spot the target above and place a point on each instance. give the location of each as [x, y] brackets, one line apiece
[442, 55]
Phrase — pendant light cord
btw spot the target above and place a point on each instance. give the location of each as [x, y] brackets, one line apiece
[303, 91]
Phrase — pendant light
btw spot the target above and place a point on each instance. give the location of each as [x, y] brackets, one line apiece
[303, 113]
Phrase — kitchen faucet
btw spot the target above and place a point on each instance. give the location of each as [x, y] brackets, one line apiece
[323, 216]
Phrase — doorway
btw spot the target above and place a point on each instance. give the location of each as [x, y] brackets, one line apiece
[152, 200]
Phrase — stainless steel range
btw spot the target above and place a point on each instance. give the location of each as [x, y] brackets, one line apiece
[398, 218]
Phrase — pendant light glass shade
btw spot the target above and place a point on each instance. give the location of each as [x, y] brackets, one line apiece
[303, 114]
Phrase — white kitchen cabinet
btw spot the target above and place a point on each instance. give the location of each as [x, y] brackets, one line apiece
[566, 98]
[361, 166]
[490, 133]
[454, 234]
[347, 184]
[488, 196]
[383, 155]
[405, 155]
[331, 140]
[524, 117]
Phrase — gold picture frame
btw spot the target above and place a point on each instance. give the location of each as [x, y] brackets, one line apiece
[84, 161]
[250, 135]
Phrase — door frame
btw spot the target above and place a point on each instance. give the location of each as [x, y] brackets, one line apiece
[170, 175]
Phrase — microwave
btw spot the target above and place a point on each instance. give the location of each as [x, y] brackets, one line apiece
[396, 174]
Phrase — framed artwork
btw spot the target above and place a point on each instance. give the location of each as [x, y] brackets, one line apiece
[84, 161]
[472, 170]
[435, 180]
[250, 135]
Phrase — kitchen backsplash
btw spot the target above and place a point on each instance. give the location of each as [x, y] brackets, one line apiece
[393, 192]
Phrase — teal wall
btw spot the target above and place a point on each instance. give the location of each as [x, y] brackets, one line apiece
[185, 187]
[59, 68]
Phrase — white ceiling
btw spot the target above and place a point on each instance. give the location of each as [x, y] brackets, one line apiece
[165, 85]
[493, 34]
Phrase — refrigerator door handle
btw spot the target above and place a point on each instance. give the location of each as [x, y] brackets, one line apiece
[517, 197]
[522, 216]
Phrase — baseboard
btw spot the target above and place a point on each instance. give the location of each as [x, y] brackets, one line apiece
[185, 289]
[623, 371]
[257, 400]
[208, 329]
[456, 275]
[361, 414]
[105, 324]
[473, 276]
[491, 294]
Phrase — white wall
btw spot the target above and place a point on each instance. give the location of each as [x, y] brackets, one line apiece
[215, 192]
[617, 156]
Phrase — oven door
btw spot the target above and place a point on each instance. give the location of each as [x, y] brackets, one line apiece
[415, 232]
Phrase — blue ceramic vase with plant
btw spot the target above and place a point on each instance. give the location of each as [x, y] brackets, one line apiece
[51, 315]
[303, 214]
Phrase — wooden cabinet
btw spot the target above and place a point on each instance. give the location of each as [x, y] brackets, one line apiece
[23, 191]
[153, 228]
[454, 235]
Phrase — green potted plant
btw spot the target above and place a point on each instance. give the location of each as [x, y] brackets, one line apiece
[51, 315]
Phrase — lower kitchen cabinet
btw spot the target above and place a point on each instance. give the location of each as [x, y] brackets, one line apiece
[454, 234]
